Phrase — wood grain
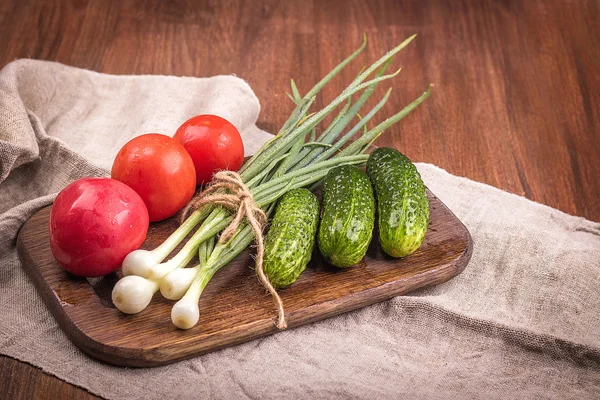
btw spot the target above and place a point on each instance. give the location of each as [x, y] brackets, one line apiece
[517, 93]
[23, 381]
[234, 307]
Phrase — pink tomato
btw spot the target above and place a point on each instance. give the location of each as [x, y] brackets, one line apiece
[94, 224]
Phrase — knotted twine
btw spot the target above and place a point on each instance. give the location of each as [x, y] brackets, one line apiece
[238, 198]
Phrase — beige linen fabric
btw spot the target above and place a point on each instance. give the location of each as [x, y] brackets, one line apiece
[521, 322]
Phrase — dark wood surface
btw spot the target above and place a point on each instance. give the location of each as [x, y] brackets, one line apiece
[234, 308]
[516, 103]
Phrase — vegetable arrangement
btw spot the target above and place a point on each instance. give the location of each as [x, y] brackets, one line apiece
[232, 211]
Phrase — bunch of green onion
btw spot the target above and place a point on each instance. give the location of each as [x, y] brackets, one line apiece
[295, 157]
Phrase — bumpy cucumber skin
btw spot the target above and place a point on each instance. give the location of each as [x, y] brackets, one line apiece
[348, 216]
[402, 205]
[289, 243]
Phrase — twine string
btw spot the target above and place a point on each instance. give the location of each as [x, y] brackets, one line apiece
[228, 190]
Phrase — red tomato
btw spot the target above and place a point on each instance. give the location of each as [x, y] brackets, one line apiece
[214, 144]
[160, 170]
[94, 224]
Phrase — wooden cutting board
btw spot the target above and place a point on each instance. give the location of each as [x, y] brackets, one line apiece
[234, 307]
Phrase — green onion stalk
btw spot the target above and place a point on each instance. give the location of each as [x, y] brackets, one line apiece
[295, 157]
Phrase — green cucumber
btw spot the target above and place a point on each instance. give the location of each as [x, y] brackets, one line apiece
[289, 243]
[402, 205]
[348, 216]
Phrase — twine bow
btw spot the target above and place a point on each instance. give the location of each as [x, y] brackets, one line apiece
[228, 190]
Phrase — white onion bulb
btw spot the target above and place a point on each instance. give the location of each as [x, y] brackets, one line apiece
[185, 313]
[133, 293]
[176, 283]
[139, 262]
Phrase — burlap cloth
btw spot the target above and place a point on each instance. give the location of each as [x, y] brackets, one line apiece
[521, 322]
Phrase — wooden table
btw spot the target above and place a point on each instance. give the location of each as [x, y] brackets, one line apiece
[517, 83]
